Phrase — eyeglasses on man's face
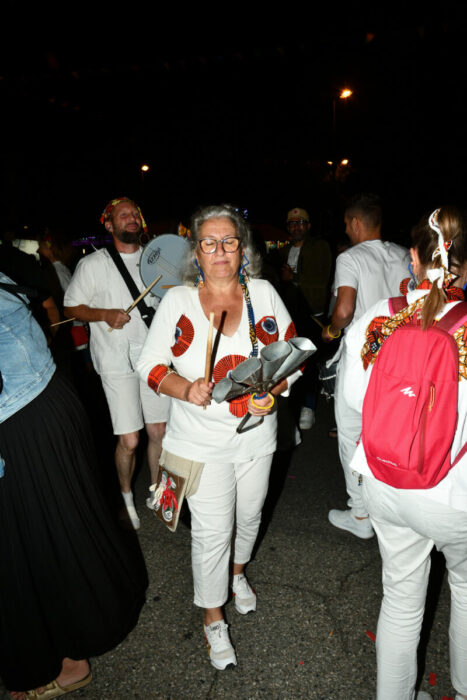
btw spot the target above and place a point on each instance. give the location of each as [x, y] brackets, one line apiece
[297, 222]
[229, 245]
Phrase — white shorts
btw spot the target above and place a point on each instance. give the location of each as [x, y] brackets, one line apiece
[132, 403]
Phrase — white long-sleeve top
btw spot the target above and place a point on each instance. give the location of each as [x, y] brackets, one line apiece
[452, 490]
[178, 337]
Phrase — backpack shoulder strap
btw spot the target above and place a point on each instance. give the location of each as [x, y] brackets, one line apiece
[455, 317]
[396, 304]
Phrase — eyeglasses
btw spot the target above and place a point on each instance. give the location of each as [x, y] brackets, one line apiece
[299, 222]
[229, 245]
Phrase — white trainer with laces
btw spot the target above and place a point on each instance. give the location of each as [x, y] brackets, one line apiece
[344, 520]
[244, 595]
[220, 649]
[307, 418]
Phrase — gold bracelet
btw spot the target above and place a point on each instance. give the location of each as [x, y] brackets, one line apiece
[171, 371]
[328, 331]
[264, 408]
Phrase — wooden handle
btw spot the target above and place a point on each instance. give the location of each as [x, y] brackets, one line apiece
[59, 323]
[143, 294]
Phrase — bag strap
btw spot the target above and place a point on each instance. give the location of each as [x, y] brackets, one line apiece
[455, 317]
[18, 289]
[396, 304]
[147, 312]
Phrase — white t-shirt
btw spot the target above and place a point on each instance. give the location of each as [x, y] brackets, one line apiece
[98, 284]
[374, 269]
[178, 337]
[452, 490]
[63, 274]
[294, 254]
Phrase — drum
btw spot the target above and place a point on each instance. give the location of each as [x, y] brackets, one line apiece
[164, 256]
[327, 377]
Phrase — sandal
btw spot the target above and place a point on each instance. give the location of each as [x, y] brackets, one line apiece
[54, 690]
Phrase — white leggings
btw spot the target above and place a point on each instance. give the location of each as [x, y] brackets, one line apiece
[408, 525]
[227, 494]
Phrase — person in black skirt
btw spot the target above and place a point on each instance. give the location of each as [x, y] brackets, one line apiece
[71, 586]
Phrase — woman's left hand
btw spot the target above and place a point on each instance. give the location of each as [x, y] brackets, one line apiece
[260, 407]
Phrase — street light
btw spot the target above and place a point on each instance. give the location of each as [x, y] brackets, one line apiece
[145, 168]
[343, 94]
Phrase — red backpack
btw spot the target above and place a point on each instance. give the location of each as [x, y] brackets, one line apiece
[410, 407]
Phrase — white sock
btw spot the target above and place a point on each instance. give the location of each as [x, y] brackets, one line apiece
[128, 498]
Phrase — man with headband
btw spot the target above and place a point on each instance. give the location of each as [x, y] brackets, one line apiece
[98, 294]
[372, 269]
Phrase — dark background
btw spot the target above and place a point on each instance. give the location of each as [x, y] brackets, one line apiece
[244, 116]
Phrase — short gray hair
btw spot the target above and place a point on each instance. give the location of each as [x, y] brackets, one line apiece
[189, 270]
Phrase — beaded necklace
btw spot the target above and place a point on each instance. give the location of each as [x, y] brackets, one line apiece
[251, 316]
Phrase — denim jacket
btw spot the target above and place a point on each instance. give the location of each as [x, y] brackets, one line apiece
[25, 360]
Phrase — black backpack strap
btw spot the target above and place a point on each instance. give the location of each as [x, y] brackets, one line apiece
[396, 304]
[18, 289]
[147, 312]
[455, 317]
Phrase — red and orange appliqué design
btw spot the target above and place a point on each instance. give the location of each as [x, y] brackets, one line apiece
[184, 334]
[266, 330]
[291, 332]
[223, 368]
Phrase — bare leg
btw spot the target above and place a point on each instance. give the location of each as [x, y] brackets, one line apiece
[238, 569]
[125, 459]
[155, 433]
[212, 615]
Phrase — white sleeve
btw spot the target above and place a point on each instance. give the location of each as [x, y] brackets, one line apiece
[283, 324]
[81, 288]
[351, 372]
[346, 274]
[160, 338]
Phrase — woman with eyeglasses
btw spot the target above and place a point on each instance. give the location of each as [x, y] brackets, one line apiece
[221, 277]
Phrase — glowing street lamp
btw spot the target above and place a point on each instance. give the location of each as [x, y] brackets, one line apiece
[145, 168]
[345, 93]
[345, 161]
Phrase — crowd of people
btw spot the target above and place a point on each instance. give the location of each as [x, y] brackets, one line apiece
[156, 373]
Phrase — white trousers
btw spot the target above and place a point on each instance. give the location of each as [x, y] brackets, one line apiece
[349, 428]
[408, 526]
[228, 494]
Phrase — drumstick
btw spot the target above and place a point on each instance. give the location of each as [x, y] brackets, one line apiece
[59, 323]
[143, 294]
[207, 369]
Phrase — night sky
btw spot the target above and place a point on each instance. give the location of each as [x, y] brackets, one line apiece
[248, 121]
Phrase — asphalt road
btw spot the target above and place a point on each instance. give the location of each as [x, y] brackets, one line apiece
[319, 591]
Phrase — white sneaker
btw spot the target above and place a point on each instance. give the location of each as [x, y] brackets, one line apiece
[220, 649]
[244, 595]
[307, 418]
[344, 520]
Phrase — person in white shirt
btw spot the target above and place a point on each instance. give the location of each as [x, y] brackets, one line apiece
[370, 270]
[409, 522]
[98, 295]
[248, 315]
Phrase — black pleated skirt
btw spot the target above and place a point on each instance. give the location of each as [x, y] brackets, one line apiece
[71, 582]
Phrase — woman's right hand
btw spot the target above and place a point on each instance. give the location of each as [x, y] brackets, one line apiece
[199, 392]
